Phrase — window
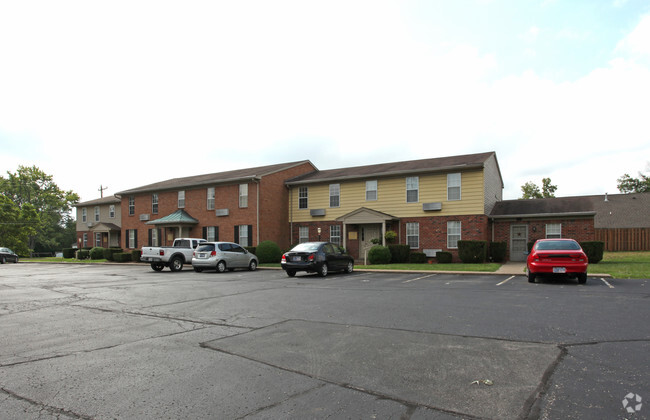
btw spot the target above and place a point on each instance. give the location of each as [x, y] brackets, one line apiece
[211, 233]
[554, 230]
[97, 213]
[181, 199]
[132, 238]
[85, 243]
[131, 205]
[84, 215]
[244, 239]
[154, 203]
[453, 187]
[211, 198]
[335, 195]
[413, 235]
[243, 195]
[303, 234]
[335, 234]
[303, 198]
[453, 234]
[154, 237]
[111, 211]
[412, 189]
[98, 239]
[371, 190]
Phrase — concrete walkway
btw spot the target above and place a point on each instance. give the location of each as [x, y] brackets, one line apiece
[512, 268]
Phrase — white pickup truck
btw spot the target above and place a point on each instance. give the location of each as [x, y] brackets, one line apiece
[171, 256]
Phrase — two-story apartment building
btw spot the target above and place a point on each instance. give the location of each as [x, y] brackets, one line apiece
[246, 206]
[431, 203]
[99, 222]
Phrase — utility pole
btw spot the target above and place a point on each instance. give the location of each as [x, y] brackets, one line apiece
[101, 190]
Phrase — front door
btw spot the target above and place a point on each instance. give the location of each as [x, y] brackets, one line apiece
[518, 242]
[368, 233]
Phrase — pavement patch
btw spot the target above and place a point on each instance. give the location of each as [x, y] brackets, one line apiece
[430, 370]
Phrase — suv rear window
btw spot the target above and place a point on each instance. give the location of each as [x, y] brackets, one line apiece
[205, 248]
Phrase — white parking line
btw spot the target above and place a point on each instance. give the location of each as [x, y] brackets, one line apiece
[420, 278]
[506, 280]
[607, 283]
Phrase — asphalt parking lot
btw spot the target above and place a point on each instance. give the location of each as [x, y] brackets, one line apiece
[125, 342]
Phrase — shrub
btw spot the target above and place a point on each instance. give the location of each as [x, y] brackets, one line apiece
[417, 257]
[594, 251]
[472, 252]
[399, 253]
[108, 253]
[268, 252]
[251, 249]
[497, 251]
[444, 257]
[390, 236]
[379, 255]
[97, 253]
[69, 252]
[122, 256]
[83, 254]
[136, 254]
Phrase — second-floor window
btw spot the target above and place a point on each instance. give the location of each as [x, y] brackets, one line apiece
[97, 213]
[243, 195]
[412, 189]
[154, 203]
[371, 190]
[335, 195]
[453, 187]
[181, 199]
[84, 215]
[111, 211]
[211, 198]
[131, 205]
[303, 198]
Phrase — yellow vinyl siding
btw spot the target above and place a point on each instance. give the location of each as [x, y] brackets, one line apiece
[391, 197]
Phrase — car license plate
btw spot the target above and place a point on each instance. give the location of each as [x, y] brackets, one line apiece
[202, 255]
[297, 259]
[559, 270]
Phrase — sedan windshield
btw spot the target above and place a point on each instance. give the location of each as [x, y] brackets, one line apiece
[306, 247]
[557, 245]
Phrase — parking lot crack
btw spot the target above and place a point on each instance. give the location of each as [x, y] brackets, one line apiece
[54, 411]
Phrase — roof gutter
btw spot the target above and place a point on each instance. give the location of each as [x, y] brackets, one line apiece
[543, 215]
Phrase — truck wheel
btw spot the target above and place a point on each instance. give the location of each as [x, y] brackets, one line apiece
[221, 267]
[157, 266]
[176, 264]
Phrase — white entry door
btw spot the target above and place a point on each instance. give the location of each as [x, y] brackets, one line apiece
[518, 242]
[368, 233]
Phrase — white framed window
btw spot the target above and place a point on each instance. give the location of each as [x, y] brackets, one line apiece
[371, 190]
[335, 234]
[85, 242]
[97, 213]
[211, 233]
[303, 234]
[131, 205]
[98, 239]
[243, 195]
[335, 195]
[554, 230]
[453, 187]
[244, 236]
[453, 234]
[154, 237]
[412, 189]
[303, 198]
[84, 215]
[413, 235]
[181, 199]
[132, 241]
[210, 198]
[154, 203]
[111, 211]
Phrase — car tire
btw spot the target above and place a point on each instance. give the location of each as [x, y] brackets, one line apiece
[221, 267]
[176, 264]
[3, 260]
[531, 276]
[197, 269]
[350, 267]
[157, 267]
[582, 278]
[322, 271]
[16, 260]
[253, 265]
[291, 273]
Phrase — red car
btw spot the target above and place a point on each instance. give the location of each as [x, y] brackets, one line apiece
[562, 257]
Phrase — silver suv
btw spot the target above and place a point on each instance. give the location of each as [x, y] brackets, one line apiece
[222, 256]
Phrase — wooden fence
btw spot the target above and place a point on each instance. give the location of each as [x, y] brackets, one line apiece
[632, 239]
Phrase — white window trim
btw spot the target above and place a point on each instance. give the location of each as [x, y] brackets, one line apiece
[98, 239]
[132, 243]
[210, 198]
[416, 233]
[181, 199]
[416, 189]
[243, 196]
[154, 203]
[84, 215]
[302, 230]
[335, 191]
[374, 184]
[211, 233]
[452, 184]
[305, 197]
[111, 211]
[452, 235]
[335, 237]
[553, 234]
[131, 205]
[244, 240]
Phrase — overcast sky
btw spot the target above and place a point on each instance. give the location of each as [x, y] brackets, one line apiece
[126, 93]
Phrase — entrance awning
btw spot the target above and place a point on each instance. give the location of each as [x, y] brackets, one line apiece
[364, 215]
[178, 218]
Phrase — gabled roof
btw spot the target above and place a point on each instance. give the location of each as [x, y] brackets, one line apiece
[178, 217]
[106, 200]
[235, 176]
[543, 207]
[443, 164]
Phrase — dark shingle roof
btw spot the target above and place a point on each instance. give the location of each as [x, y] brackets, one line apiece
[395, 168]
[543, 207]
[106, 200]
[215, 178]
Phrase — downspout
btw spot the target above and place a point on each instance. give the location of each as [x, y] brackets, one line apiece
[290, 215]
[256, 180]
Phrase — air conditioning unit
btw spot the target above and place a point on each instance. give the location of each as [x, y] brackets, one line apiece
[144, 217]
[431, 206]
[221, 212]
[317, 212]
[431, 253]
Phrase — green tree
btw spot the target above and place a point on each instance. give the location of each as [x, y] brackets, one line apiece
[531, 190]
[626, 184]
[43, 208]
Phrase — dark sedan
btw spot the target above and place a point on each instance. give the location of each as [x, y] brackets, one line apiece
[317, 257]
[7, 255]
